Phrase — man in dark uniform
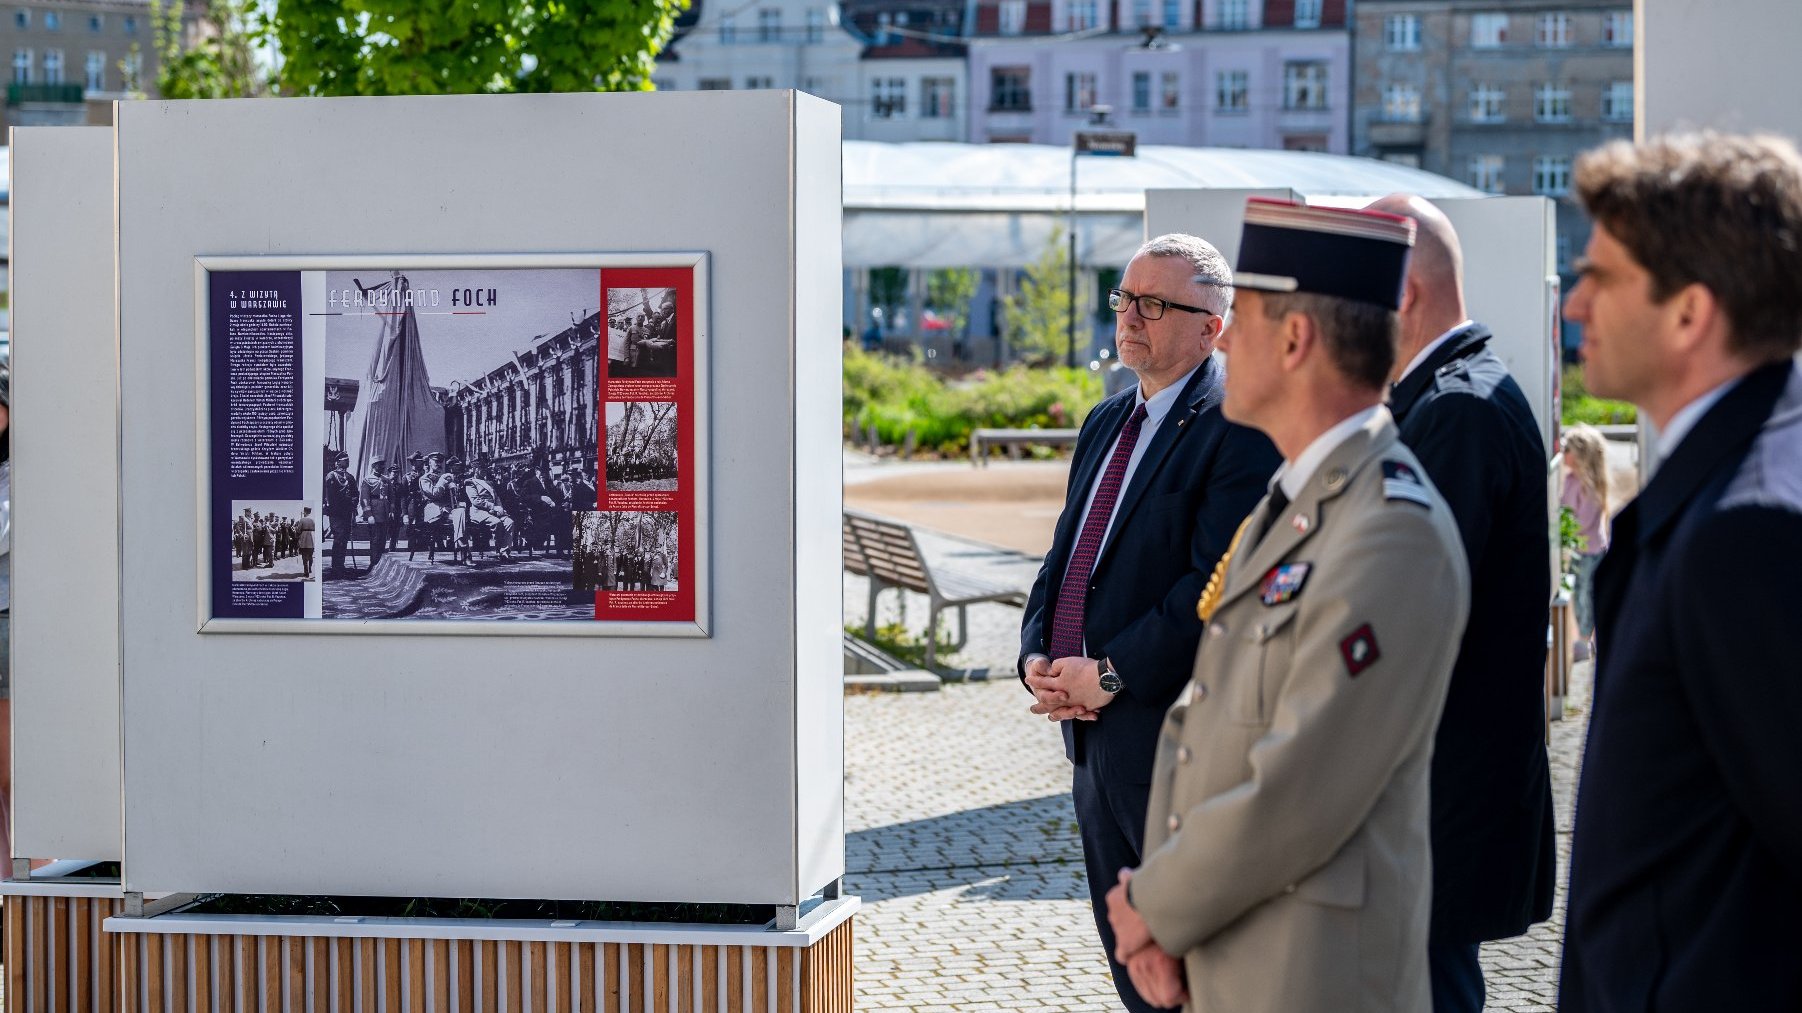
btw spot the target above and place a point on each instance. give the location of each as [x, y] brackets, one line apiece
[259, 534]
[340, 508]
[1469, 424]
[1686, 863]
[1158, 484]
[411, 503]
[241, 539]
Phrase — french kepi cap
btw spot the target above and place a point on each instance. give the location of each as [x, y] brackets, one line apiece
[1361, 256]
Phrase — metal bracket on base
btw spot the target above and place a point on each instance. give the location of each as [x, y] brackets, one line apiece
[788, 916]
[137, 907]
[834, 890]
[21, 868]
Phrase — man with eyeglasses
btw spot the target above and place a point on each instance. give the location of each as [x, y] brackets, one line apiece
[1159, 482]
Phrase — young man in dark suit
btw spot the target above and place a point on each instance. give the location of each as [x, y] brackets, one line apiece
[1468, 422]
[1686, 863]
[1158, 484]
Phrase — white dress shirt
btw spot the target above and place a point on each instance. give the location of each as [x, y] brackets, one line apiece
[1432, 346]
[1156, 408]
[1686, 418]
[1294, 475]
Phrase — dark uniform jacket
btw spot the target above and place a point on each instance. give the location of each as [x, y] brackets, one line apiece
[1199, 477]
[1493, 839]
[1686, 866]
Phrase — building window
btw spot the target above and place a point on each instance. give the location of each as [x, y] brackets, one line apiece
[22, 18]
[1141, 13]
[53, 21]
[769, 25]
[132, 70]
[96, 71]
[1488, 31]
[1079, 92]
[760, 81]
[816, 25]
[728, 29]
[1304, 84]
[888, 98]
[1486, 104]
[1551, 104]
[1411, 159]
[1401, 32]
[714, 84]
[1554, 31]
[1081, 14]
[1232, 91]
[938, 98]
[1141, 91]
[662, 84]
[1486, 172]
[1013, 17]
[131, 24]
[1010, 89]
[1170, 91]
[1617, 101]
[22, 63]
[53, 66]
[1562, 247]
[1235, 15]
[1401, 103]
[1551, 175]
[96, 22]
[1307, 13]
[1617, 29]
[1305, 142]
[1173, 14]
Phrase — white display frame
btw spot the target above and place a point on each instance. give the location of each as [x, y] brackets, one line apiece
[700, 381]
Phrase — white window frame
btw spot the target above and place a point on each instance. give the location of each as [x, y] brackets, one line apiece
[938, 98]
[1235, 15]
[1232, 91]
[1617, 29]
[1172, 17]
[1141, 92]
[95, 69]
[1078, 85]
[22, 18]
[1551, 175]
[1170, 92]
[1401, 33]
[769, 24]
[1488, 104]
[1305, 85]
[1485, 172]
[53, 66]
[96, 23]
[713, 84]
[53, 21]
[1489, 30]
[1307, 13]
[756, 82]
[816, 26]
[1081, 15]
[1401, 103]
[1013, 17]
[1552, 31]
[1617, 101]
[1023, 95]
[728, 30]
[24, 65]
[888, 98]
[1551, 103]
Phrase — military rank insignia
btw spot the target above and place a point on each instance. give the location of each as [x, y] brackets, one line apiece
[1360, 650]
[1283, 583]
[1401, 481]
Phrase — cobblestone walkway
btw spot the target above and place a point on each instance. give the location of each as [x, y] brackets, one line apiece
[962, 844]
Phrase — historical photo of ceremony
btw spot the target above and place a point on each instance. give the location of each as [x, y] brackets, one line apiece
[641, 332]
[641, 446]
[274, 540]
[625, 550]
[462, 419]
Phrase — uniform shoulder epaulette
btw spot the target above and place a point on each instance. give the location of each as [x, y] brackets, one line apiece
[1402, 481]
[1455, 373]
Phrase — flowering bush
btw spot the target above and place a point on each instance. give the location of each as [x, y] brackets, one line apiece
[895, 397]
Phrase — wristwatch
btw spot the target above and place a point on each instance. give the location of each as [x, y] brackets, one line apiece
[1111, 683]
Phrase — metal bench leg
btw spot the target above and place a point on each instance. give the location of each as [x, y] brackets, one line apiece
[963, 628]
[869, 629]
[932, 634]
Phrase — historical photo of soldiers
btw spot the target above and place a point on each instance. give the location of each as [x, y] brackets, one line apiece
[641, 332]
[641, 446]
[462, 430]
[625, 550]
[273, 539]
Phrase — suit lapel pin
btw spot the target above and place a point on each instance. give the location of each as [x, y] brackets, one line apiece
[1335, 479]
[1300, 523]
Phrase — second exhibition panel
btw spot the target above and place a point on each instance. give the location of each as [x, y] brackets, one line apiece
[479, 492]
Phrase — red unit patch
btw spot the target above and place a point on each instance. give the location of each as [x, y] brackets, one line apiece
[1359, 650]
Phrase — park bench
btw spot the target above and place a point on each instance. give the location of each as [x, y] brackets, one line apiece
[889, 554]
[1013, 439]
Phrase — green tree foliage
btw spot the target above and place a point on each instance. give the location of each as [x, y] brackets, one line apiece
[221, 61]
[400, 47]
[949, 292]
[1038, 315]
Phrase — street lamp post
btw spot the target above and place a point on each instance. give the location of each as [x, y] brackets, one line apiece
[1113, 143]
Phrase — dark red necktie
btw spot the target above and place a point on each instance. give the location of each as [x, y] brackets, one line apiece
[1073, 596]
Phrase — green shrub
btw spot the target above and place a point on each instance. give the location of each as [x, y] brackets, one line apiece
[896, 397]
[1582, 406]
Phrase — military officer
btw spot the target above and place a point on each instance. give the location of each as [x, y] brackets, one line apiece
[1286, 858]
[376, 507]
[340, 508]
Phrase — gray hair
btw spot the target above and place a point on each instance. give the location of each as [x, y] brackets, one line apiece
[1211, 271]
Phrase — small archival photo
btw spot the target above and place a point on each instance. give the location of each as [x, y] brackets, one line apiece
[641, 332]
[274, 539]
[641, 446]
[624, 550]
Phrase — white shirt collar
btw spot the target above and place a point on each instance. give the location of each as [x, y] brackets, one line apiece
[1432, 346]
[1686, 418]
[1158, 405]
[1294, 475]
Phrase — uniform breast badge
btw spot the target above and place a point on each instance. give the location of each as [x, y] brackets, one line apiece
[1210, 595]
[1283, 583]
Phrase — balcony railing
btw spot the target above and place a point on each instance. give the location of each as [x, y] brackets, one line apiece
[20, 94]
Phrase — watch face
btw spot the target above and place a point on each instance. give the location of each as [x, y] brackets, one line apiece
[1111, 682]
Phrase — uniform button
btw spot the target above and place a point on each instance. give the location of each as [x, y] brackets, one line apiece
[1216, 629]
[1201, 691]
[1183, 755]
[1174, 823]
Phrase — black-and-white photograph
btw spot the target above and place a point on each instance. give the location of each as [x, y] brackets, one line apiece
[462, 429]
[625, 550]
[641, 332]
[641, 446]
[274, 539]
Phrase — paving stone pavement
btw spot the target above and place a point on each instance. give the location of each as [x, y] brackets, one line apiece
[962, 840]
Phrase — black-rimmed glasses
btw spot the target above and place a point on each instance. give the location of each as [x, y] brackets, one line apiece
[1150, 306]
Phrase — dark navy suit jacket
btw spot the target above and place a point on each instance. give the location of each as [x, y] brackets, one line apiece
[1494, 861]
[1200, 476]
[1686, 866]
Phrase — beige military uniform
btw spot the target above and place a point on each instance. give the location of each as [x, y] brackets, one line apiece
[1286, 852]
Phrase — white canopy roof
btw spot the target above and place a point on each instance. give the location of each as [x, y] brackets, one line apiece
[933, 204]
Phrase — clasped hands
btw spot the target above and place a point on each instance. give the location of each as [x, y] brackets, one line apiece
[1157, 976]
[1066, 689]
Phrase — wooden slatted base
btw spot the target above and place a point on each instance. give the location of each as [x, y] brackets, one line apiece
[57, 956]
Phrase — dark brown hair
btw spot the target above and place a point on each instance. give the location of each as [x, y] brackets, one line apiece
[1723, 211]
[1359, 336]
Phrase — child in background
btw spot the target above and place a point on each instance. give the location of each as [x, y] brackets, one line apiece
[1586, 493]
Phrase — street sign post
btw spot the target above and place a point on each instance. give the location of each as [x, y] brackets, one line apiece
[1108, 143]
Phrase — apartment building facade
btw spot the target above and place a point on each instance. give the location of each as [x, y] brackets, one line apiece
[71, 59]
